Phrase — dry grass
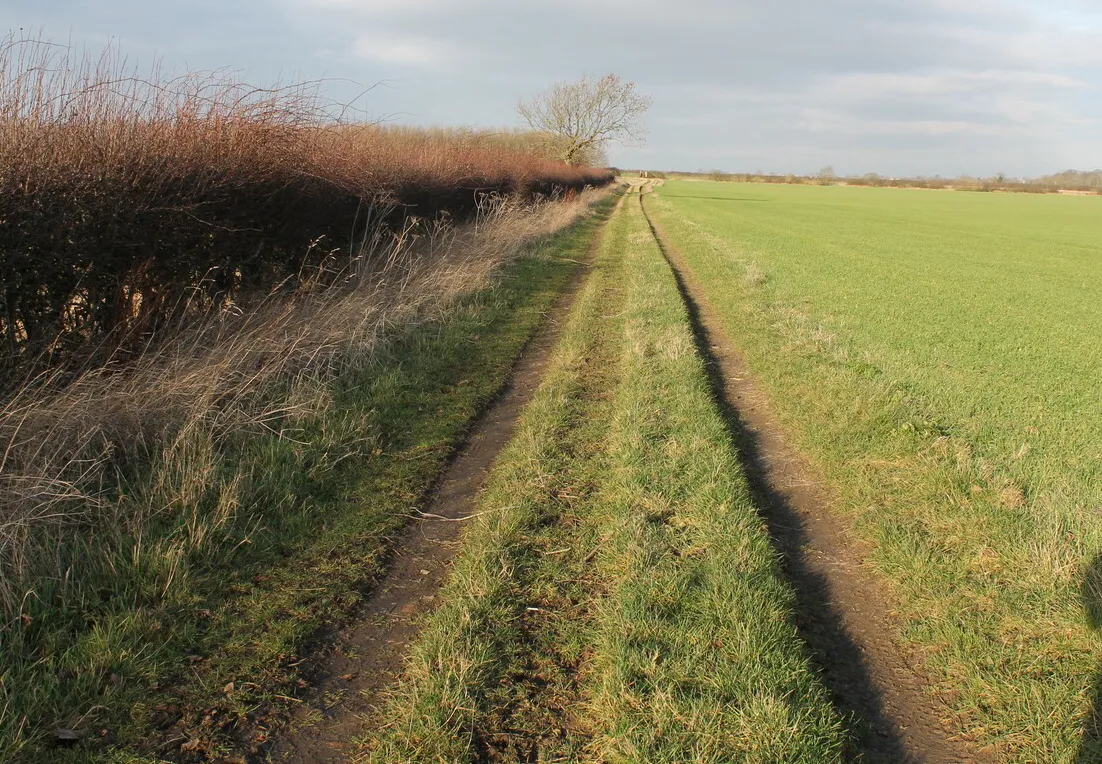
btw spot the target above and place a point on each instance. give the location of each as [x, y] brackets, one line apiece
[193, 267]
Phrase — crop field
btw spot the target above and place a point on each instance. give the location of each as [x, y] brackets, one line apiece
[937, 355]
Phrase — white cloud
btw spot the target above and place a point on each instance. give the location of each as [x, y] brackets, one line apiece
[402, 50]
[815, 120]
[371, 6]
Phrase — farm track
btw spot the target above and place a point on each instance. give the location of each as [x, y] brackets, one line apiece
[367, 655]
[843, 613]
[620, 600]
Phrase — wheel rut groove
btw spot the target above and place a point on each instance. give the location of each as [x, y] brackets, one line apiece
[843, 611]
[368, 654]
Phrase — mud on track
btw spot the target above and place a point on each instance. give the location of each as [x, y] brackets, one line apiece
[842, 610]
[368, 654]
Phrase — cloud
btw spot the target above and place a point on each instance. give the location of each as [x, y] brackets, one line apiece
[865, 86]
[377, 8]
[831, 122]
[402, 50]
[368, 6]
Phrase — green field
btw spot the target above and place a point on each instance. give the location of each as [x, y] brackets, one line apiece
[938, 355]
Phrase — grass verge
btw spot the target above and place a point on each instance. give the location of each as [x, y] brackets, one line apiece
[194, 664]
[618, 599]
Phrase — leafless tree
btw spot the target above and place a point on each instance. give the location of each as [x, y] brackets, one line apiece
[583, 116]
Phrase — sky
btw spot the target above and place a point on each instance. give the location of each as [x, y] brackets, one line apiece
[896, 87]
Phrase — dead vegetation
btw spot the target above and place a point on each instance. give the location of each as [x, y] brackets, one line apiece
[64, 441]
[113, 483]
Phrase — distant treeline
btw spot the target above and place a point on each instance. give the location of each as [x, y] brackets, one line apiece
[1069, 180]
[127, 201]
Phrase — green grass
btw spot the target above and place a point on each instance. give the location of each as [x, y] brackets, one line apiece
[938, 354]
[311, 521]
[618, 600]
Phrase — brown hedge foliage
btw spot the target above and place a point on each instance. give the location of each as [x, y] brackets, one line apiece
[127, 201]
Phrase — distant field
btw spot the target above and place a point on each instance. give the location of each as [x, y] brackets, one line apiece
[939, 355]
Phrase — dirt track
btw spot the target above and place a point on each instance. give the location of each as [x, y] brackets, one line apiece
[843, 613]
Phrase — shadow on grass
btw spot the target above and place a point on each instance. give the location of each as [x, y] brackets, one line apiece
[873, 737]
[1090, 745]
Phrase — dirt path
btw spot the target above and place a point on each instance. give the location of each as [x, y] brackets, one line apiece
[842, 609]
[367, 655]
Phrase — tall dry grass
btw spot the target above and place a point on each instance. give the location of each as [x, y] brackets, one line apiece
[128, 199]
[64, 440]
